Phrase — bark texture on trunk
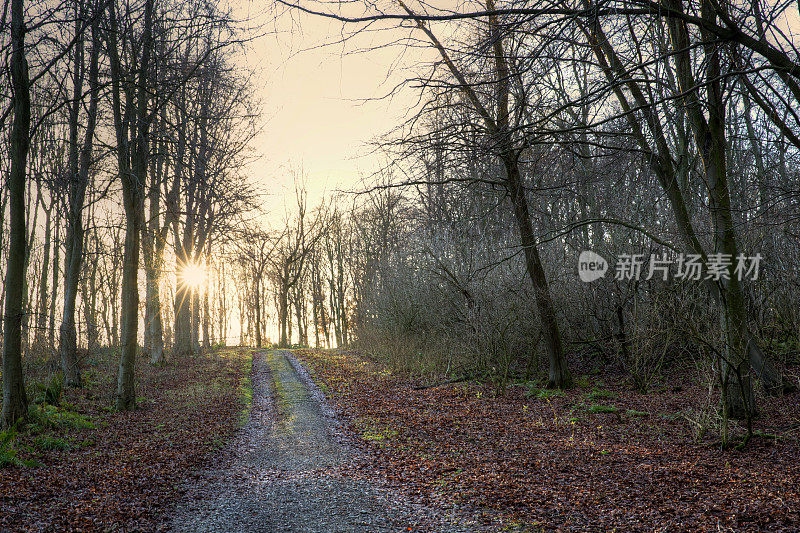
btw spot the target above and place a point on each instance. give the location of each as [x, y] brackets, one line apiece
[132, 160]
[80, 162]
[40, 336]
[183, 320]
[258, 311]
[709, 134]
[558, 372]
[15, 402]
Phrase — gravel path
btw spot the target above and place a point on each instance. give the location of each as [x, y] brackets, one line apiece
[283, 472]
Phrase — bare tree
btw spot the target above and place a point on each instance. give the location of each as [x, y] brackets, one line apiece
[80, 160]
[15, 402]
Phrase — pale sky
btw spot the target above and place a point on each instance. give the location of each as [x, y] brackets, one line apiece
[319, 112]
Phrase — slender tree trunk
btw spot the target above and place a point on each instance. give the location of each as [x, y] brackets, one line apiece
[132, 162]
[738, 399]
[15, 402]
[89, 289]
[289, 322]
[51, 323]
[146, 342]
[155, 325]
[299, 312]
[283, 315]
[40, 337]
[336, 312]
[196, 320]
[183, 311]
[154, 261]
[3, 201]
[30, 284]
[126, 390]
[206, 307]
[342, 301]
[315, 305]
[258, 310]
[558, 373]
[222, 308]
[79, 170]
[74, 244]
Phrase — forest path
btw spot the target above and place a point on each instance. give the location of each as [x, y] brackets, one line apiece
[283, 471]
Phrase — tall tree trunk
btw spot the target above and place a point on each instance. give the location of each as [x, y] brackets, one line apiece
[79, 177]
[258, 310]
[68, 340]
[315, 303]
[336, 312]
[558, 373]
[183, 319]
[153, 248]
[89, 290]
[288, 315]
[155, 326]
[40, 337]
[341, 300]
[3, 202]
[15, 402]
[30, 284]
[222, 309]
[196, 320]
[299, 312]
[738, 399]
[132, 162]
[206, 306]
[51, 321]
[182, 303]
[283, 315]
[129, 320]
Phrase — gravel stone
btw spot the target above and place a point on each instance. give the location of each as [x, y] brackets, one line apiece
[284, 470]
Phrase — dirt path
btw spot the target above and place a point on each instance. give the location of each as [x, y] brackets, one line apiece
[283, 471]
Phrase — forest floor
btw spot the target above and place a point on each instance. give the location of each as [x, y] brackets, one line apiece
[81, 465]
[599, 457]
[244, 440]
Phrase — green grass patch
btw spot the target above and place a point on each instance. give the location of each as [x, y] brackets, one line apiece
[8, 457]
[635, 413]
[50, 416]
[9, 452]
[49, 392]
[600, 394]
[598, 409]
[45, 443]
[584, 381]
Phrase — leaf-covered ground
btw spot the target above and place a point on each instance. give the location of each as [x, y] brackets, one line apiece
[599, 457]
[83, 466]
